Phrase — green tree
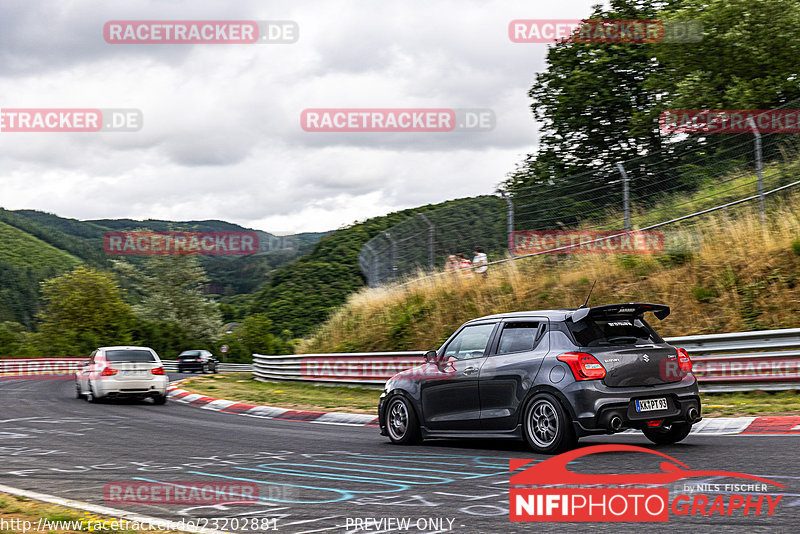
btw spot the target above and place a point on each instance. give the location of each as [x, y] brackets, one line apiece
[170, 291]
[83, 309]
[749, 57]
[255, 337]
[587, 102]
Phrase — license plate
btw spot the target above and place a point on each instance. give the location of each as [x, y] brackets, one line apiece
[132, 373]
[649, 405]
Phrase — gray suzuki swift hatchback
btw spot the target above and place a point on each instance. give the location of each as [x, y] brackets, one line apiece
[549, 377]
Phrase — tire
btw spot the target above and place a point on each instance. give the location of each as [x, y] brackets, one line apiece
[205, 369]
[180, 370]
[660, 436]
[547, 426]
[78, 394]
[160, 400]
[401, 421]
[91, 397]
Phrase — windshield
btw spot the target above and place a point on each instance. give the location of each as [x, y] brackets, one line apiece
[130, 356]
[612, 331]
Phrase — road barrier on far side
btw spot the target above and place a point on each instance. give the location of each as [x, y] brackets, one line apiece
[741, 361]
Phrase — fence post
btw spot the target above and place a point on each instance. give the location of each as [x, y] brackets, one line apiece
[626, 200]
[510, 205]
[394, 253]
[371, 266]
[759, 170]
[431, 240]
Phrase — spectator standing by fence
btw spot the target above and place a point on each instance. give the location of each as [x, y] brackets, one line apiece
[480, 262]
[452, 264]
[465, 266]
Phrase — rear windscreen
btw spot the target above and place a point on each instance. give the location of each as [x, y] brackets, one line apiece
[130, 356]
[594, 332]
[190, 353]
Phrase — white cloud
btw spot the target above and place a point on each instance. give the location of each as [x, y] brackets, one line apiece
[222, 136]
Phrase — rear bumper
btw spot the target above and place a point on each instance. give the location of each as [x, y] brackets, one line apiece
[131, 388]
[596, 405]
[190, 366]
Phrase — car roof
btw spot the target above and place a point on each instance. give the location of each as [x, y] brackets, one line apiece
[660, 310]
[125, 347]
[556, 315]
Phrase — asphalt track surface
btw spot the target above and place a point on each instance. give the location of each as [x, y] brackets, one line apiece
[322, 478]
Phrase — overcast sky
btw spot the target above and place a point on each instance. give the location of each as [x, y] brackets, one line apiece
[222, 136]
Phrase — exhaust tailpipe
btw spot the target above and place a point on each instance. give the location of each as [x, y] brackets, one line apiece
[615, 424]
[692, 415]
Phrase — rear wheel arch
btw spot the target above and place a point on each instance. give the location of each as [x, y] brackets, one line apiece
[543, 388]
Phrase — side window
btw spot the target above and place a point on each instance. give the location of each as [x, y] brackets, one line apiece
[518, 337]
[471, 342]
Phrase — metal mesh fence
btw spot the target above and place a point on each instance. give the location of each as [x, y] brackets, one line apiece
[693, 175]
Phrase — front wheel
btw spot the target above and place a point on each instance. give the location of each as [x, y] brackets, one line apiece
[547, 425]
[401, 422]
[667, 436]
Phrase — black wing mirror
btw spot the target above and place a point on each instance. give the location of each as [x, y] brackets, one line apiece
[430, 357]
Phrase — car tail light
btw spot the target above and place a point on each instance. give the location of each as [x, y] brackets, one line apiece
[654, 423]
[584, 366]
[157, 371]
[108, 371]
[684, 361]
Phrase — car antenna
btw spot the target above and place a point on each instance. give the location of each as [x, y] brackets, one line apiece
[585, 304]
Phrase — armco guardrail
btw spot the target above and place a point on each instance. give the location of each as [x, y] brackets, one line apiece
[22, 367]
[362, 368]
[742, 361]
[172, 367]
[745, 361]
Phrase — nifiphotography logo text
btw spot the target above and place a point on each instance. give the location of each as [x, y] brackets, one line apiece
[549, 491]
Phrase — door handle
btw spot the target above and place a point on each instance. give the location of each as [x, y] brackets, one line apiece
[470, 370]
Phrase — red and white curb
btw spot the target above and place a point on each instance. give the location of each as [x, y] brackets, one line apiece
[175, 393]
[715, 426]
[748, 426]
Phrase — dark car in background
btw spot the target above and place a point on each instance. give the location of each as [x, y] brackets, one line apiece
[548, 377]
[197, 360]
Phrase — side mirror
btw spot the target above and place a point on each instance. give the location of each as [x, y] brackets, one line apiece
[430, 356]
[84, 364]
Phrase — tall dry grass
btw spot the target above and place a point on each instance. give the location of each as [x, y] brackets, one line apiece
[731, 274]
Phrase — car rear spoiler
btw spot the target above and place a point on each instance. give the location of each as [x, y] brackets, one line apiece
[635, 309]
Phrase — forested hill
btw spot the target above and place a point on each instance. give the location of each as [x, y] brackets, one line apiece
[35, 245]
[301, 295]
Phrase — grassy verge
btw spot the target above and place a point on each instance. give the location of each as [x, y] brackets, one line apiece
[297, 396]
[19, 513]
[737, 276]
[240, 387]
[751, 403]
